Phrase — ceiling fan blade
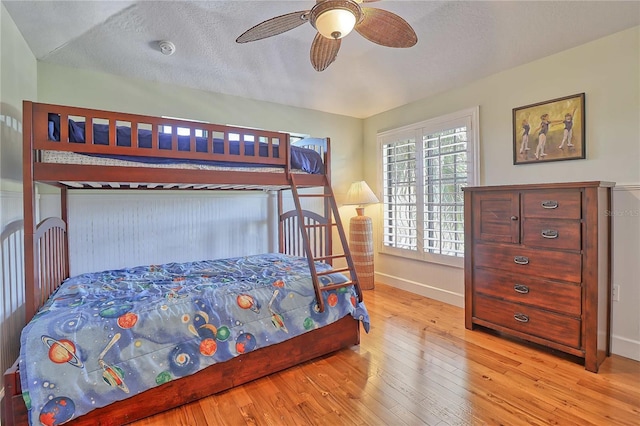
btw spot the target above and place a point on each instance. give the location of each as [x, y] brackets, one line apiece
[324, 51]
[386, 28]
[274, 26]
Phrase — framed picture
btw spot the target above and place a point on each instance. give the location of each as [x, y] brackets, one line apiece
[549, 131]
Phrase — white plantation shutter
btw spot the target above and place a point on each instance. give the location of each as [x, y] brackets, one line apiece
[424, 168]
[445, 163]
[399, 195]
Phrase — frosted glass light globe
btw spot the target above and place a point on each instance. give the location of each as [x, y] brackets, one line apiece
[335, 23]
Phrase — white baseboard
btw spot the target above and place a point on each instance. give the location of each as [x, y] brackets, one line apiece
[625, 347]
[441, 295]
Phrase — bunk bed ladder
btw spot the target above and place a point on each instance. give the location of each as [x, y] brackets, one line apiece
[332, 220]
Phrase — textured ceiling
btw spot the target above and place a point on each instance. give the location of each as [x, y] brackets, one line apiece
[458, 42]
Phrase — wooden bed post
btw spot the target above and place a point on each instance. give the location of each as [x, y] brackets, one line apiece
[287, 153]
[64, 215]
[327, 160]
[273, 221]
[29, 210]
[327, 202]
[280, 224]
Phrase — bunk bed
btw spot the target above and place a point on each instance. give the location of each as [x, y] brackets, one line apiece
[76, 148]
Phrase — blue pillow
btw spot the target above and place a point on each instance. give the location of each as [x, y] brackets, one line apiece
[54, 127]
[76, 131]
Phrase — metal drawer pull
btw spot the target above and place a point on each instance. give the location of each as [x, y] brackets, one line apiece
[521, 260]
[521, 317]
[549, 233]
[550, 204]
[521, 288]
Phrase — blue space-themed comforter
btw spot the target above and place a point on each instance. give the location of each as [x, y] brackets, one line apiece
[106, 336]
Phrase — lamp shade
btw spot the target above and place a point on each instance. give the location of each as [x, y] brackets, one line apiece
[359, 193]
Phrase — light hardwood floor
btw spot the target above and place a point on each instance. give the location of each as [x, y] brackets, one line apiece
[419, 366]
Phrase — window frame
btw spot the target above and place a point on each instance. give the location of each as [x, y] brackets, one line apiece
[470, 118]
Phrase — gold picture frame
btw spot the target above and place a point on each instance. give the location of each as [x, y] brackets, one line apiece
[549, 131]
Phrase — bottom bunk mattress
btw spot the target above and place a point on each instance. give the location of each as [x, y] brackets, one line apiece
[102, 337]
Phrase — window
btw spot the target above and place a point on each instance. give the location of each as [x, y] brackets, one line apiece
[424, 168]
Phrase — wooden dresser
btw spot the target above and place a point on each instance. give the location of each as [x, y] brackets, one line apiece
[538, 264]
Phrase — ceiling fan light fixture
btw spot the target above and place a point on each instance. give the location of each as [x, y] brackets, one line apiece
[335, 19]
[335, 23]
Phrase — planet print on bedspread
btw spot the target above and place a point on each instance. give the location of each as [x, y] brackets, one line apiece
[184, 359]
[109, 335]
[57, 411]
[245, 342]
[62, 351]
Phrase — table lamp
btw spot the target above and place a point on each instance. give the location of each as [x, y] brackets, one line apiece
[361, 233]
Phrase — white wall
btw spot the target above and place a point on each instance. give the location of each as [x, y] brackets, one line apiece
[17, 82]
[112, 229]
[626, 271]
[607, 71]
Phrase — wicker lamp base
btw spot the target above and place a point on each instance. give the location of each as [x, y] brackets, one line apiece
[361, 247]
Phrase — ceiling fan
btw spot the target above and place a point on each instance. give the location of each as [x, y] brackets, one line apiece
[334, 19]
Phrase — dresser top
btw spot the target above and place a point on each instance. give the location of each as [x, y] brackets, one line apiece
[555, 185]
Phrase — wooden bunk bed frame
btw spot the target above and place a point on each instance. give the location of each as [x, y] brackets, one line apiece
[47, 251]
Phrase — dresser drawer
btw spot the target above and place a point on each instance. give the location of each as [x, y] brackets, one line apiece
[558, 265]
[525, 319]
[557, 204]
[549, 295]
[552, 233]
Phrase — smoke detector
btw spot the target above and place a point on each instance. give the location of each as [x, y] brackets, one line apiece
[167, 48]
